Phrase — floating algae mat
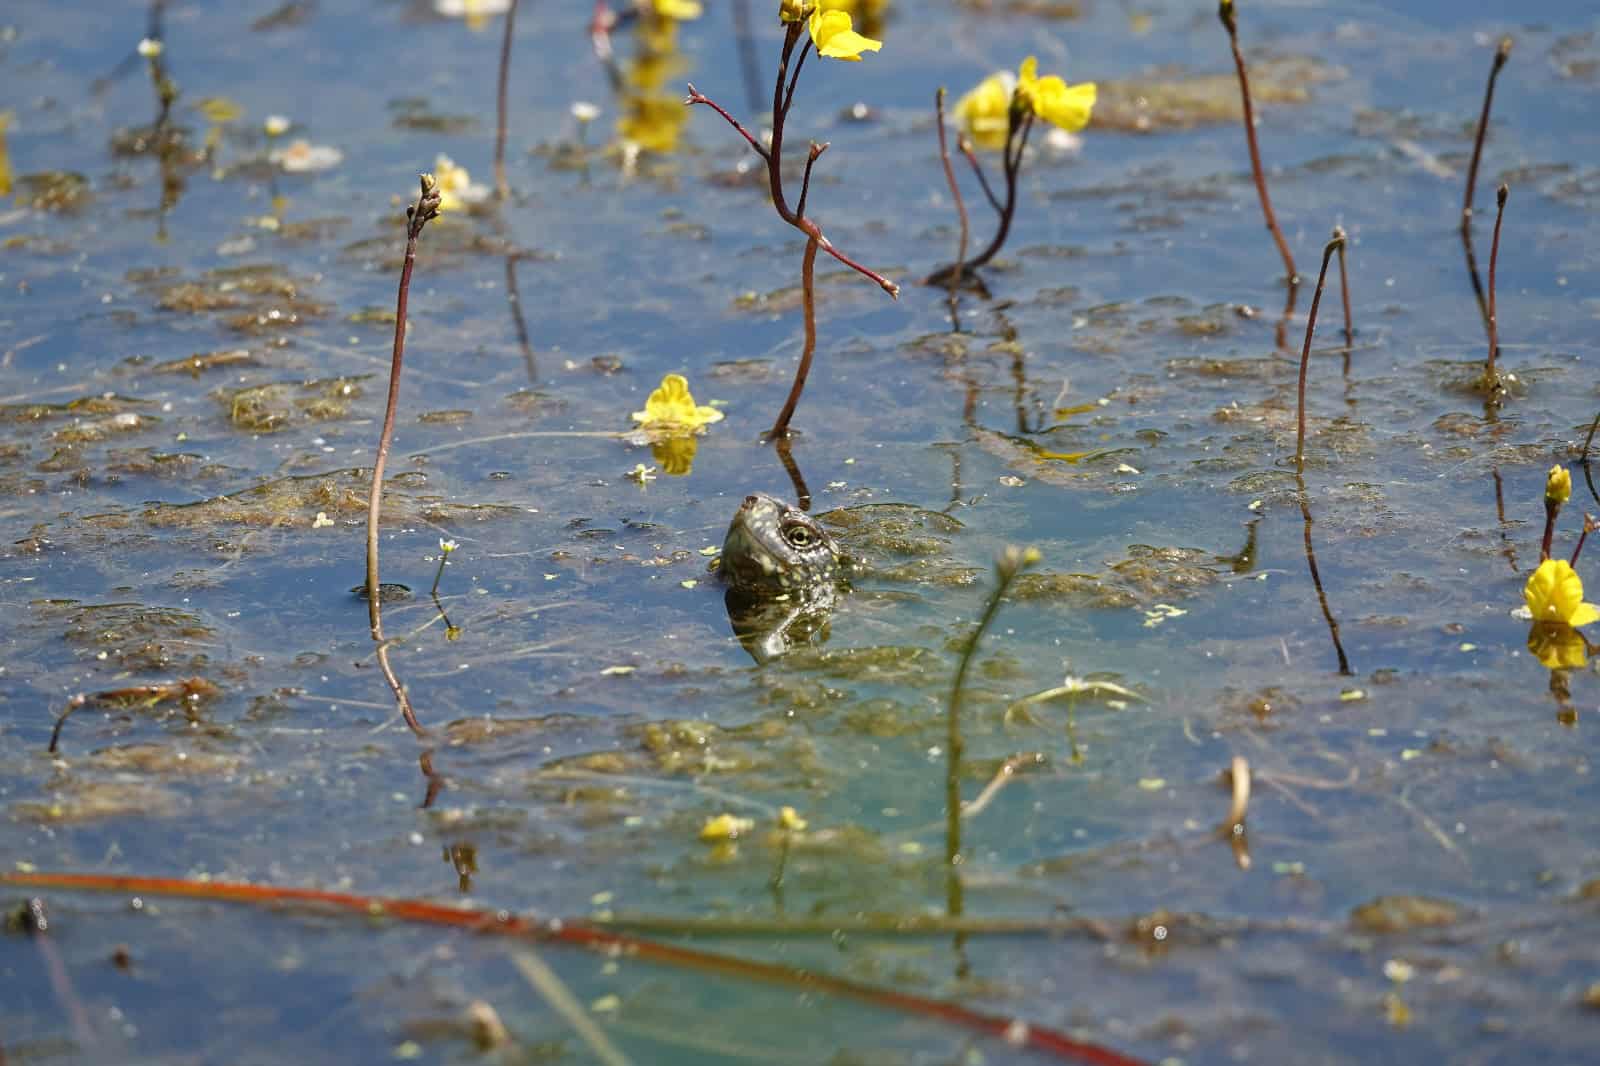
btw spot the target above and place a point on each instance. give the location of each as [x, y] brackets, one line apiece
[1263, 759]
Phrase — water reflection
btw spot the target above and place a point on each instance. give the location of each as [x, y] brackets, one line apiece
[769, 627]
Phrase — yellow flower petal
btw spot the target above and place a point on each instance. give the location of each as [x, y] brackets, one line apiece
[985, 112]
[1052, 99]
[835, 38]
[1558, 486]
[672, 407]
[1554, 593]
[682, 10]
[725, 827]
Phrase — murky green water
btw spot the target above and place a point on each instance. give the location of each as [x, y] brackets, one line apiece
[193, 352]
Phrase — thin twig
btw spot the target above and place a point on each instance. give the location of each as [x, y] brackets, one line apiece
[1010, 564]
[1491, 379]
[418, 215]
[501, 189]
[955, 189]
[577, 933]
[808, 263]
[1230, 23]
[1305, 352]
[1501, 53]
[964, 146]
[1344, 292]
[1583, 456]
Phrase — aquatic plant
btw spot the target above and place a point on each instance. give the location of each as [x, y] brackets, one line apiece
[502, 188]
[1230, 22]
[999, 115]
[1012, 562]
[1554, 593]
[419, 214]
[1491, 383]
[832, 34]
[670, 423]
[1336, 244]
[610, 941]
[1502, 53]
[1557, 491]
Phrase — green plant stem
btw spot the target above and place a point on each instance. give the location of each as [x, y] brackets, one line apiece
[1305, 353]
[1011, 564]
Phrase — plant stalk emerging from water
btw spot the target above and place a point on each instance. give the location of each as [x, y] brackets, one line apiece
[1501, 54]
[1491, 374]
[782, 99]
[502, 189]
[1006, 570]
[1230, 23]
[418, 215]
[1305, 352]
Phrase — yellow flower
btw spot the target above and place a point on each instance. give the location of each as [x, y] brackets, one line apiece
[725, 827]
[1557, 646]
[791, 10]
[789, 818]
[832, 33]
[1558, 486]
[1555, 594]
[1052, 99]
[985, 112]
[682, 10]
[456, 187]
[671, 407]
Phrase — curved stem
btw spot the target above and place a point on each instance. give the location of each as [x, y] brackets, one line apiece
[1016, 144]
[955, 189]
[1490, 374]
[1305, 353]
[808, 263]
[1501, 54]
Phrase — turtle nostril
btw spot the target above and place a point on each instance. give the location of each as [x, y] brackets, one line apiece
[751, 501]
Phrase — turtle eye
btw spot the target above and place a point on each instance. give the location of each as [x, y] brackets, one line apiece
[799, 536]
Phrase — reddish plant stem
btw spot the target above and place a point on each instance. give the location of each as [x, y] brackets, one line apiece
[418, 215]
[955, 189]
[1305, 353]
[1011, 162]
[808, 263]
[1501, 54]
[1589, 526]
[581, 934]
[1490, 374]
[1230, 22]
[965, 147]
[1344, 292]
[1583, 456]
[501, 188]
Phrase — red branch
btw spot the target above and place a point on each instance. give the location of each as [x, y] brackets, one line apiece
[583, 934]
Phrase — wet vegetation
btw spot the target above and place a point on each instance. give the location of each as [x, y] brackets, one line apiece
[1277, 745]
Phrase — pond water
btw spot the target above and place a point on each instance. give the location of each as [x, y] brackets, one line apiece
[194, 345]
